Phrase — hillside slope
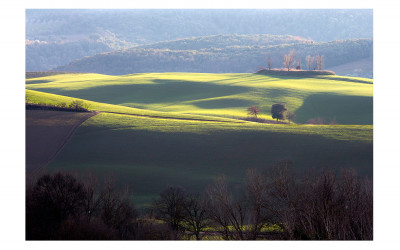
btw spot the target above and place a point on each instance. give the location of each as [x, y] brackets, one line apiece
[151, 153]
[346, 99]
[148, 153]
[359, 68]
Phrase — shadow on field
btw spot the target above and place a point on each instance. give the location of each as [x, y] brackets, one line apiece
[347, 79]
[346, 109]
[37, 81]
[162, 91]
[223, 103]
[152, 160]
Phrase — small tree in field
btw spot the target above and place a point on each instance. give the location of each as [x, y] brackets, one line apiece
[289, 60]
[278, 111]
[291, 116]
[254, 110]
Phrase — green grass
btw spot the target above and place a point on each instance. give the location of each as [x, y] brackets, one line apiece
[151, 153]
[53, 99]
[172, 128]
[221, 95]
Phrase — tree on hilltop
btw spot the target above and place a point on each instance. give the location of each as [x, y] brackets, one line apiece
[310, 62]
[269, 61]
[320, 61]
[289, 60]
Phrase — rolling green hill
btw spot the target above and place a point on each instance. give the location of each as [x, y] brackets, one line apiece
[346, 99]
[174, 129]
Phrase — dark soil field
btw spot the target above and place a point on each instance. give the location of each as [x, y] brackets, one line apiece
[46, 133]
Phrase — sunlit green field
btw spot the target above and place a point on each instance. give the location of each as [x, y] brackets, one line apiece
[346, 99]
[174, 128]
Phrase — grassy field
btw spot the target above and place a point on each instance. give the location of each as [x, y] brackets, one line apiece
[172, 129]
[151, 153]
[346, 99]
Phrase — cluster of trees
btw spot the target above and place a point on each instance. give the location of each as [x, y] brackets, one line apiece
[318, 206]
[59, 207]
[290, 60]
[278, 112]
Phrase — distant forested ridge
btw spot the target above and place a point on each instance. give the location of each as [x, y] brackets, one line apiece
[57, 37]
[43, 55]
[199, 55]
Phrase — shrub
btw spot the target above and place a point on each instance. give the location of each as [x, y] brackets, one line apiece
[316, 121]
[78, 105]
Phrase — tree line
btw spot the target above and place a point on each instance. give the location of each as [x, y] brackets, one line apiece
[290, 60]
[273, 204]
[230, 59]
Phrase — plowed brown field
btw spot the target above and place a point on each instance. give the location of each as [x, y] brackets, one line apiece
[47, 132]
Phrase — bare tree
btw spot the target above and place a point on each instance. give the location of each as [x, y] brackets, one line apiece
[258, 202]
[284, 195]
[357, 207]
[94, 197]
[320, 61]
[117, 210]
[290, 115]
[170, 208]
[289, 60]
[225, 211]
[50, 201]
[195, 214]
[253, 110]
[331, 207]
[269, 61]
[310, 62]
[298, 64]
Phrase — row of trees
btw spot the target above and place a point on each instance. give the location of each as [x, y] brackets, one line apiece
[278, 112]
[230, 59]
[319, 206]
[289, 61]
